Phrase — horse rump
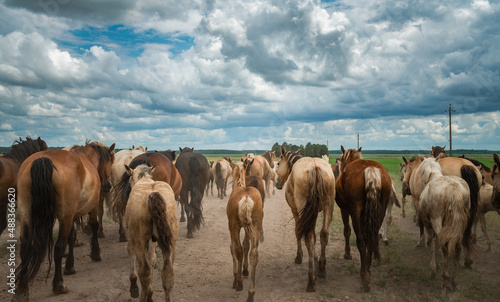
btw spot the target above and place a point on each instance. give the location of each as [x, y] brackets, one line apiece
[373, 211]
[309, 214]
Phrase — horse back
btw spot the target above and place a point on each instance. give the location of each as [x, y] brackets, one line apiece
[453, 166]
[8, 175]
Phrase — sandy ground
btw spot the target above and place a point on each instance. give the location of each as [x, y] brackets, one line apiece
[203, 265]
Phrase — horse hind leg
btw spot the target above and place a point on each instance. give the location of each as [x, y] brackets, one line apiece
[69, 269]
[65, 227]
[134, 289]
[347, 235]
[121, 230]
[95, 251]
[237, 253]
[167, 274]
[246, 249]
[311, 284]
[254, 259]
[327, 218]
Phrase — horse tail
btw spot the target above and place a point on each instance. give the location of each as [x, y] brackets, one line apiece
[219, 180]
[309, 214]
[120, 196]
[196, 195]
[454, 220]
[37, 239]
[157, 210]
[469, 175]
[373, 212]
[245, 209]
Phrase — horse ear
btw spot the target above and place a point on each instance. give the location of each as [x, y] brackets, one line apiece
[495, 158]
[112, 148]
[180, 150]
[298, 150]
[133, 147]
[342, 149]
[145, 149]
[151, 169]
[404, 159]
[359, 150]
[283, 150]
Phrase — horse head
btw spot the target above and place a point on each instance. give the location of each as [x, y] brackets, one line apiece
[141, 171]
[410, 166]
[186, 150]
[438, 152]
[348, 156]
[284, 166]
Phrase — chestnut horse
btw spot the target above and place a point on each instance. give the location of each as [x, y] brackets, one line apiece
[9, 167]
[310, 190]
[150, 217]
[485, 170]
[164, 171]
[63, 185]
[244, 210]
[364, 189]
[443, 208]
[195, 172]
[122, 158]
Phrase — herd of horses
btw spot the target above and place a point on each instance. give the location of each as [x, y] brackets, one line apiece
[142, 189]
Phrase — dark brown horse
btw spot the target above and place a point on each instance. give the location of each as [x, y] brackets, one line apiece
[63, 185]
[164, 171]
[438, 152]
[195, 172]
[363, 191]
[9, 167]
[485, 170]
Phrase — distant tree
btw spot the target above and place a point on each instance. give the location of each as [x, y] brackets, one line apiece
[277, 149]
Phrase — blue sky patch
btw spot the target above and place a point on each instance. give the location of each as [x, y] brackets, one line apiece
[125, 41]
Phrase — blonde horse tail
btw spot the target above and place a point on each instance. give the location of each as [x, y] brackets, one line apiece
[454, 220]
[157, 210]
[309, 214]
[373, 213]
[36, 238]
[469, 175]
[245, 209]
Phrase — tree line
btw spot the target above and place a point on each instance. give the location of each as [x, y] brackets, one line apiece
[311, 150]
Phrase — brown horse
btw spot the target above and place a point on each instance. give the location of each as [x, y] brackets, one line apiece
[9, 167]
[164, 171]
[150, 216]
[310, 190]
[266, 161]
[211, 178]
[364, 189]
[244, 210]
[404, 189]
[495, 175]
[195, 172]
[443, 208]
[438, 152]
[484, 207]
[256, 168]
[63, 185]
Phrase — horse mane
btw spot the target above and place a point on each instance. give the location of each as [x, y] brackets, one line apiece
[428, 167]
[102, 152]
[22, 149]
[292, 158]
[477, 163]
[267, 156]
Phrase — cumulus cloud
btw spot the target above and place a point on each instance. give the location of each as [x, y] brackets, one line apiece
[241, 74]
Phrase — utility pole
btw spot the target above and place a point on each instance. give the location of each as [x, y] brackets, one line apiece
[358, 139]
[449, 112]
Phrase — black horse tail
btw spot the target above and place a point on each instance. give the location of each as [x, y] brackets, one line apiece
[373, 212]
[157, 210]
[36, 238]
[219, 180]
[196, 190]
[309, 213]
[469, 175]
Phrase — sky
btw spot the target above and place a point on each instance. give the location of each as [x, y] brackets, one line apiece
[245, 74]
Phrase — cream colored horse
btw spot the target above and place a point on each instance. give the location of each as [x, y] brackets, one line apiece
[221, 170]
[443, 208]
[310, 189]
[484, 206]
[122, 158]
[244, 210]
[150, 216]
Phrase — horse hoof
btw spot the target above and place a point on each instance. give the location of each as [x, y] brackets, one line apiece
[183, 219]
[298, 260]
[311, 287]
[100, 235]
[365, 288]
[78, 244]
[404, 215]
[245, 272]
[239, 286]
[123, 239]
[95, 257]
[321, 273]
[347, 257]
[189, 235]
[69, 271]
[20, 297]
[60, 289]
[134, 292]
[385, 241]
[250, 297]
[261, 238]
